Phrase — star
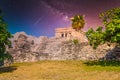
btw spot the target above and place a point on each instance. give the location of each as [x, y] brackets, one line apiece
[66, 18]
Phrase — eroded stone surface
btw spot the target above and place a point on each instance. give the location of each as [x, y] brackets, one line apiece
[27, 48]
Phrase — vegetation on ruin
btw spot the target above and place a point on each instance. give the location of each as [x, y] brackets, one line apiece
[75, 41]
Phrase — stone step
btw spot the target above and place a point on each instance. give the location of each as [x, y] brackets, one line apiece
[116, 54]
[116, 50]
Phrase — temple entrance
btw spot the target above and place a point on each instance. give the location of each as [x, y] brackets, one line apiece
[63, 32]
[62, 35]
[65, 35]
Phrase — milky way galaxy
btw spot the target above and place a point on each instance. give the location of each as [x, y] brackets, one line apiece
[41, 17]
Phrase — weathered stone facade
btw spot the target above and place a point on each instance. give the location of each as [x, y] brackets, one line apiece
[63, 32]
[30, 49]
[70, 33]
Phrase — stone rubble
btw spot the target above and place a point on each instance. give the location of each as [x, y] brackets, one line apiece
[28, 48]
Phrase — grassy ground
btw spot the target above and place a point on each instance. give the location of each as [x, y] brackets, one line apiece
[62, 70]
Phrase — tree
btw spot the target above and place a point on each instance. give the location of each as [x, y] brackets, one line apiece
[111, 21]
[95, 37]
[4, 41]
[78, 22]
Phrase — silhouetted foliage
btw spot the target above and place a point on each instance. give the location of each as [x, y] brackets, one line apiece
[4, 41]
[7, 69]
[103, 63]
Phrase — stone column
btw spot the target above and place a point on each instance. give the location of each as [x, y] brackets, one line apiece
[66, 35]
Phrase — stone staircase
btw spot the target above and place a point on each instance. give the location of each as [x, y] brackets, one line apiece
[116, 53]
[113, 54]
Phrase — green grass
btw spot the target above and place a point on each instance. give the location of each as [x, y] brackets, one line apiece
[62, 70]
[103, 65]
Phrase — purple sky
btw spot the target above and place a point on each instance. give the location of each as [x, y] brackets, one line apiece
[41, 17]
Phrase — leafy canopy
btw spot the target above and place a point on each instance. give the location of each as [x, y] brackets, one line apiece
[78, 22]
[4, 40]
[111, 21]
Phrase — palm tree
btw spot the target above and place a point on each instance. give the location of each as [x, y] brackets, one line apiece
[78, 22]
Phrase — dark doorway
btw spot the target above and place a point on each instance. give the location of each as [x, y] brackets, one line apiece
[62, 35]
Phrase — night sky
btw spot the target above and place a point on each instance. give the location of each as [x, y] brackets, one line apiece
[41, 17]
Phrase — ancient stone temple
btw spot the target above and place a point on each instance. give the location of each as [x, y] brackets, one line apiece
[63, 32]
[70, 33]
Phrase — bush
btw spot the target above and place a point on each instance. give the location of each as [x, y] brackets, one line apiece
[75, 41]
